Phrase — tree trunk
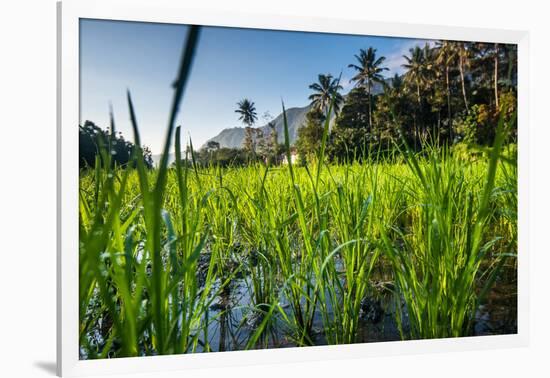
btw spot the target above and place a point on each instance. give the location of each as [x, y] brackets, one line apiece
[370, 107]
[449, 114]
[418, 111]
[461, 69]
[415, 132]
[496, 76]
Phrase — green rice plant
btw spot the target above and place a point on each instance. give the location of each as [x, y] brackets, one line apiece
[292, 240]
[345, 280]
[105, 242]
[252, 213]
[436, 262]
[507, 200]
[316, 277]
[136, 259]
[258, 232]
[220, 216]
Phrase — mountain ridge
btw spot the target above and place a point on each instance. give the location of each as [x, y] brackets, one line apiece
[233, 137]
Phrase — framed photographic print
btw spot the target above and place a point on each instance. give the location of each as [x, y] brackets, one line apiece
[285, 188]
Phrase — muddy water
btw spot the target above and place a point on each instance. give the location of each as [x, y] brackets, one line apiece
[498, 314]
[233, 321]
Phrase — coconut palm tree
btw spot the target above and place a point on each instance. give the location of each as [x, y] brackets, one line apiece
[446, 57]
[369, 70]
[397, 83]
[496, 51]
[416, 70]
[247, 111]
[464, 56]
[416, 76]
[326, 91]
[459, 54]
[248, 116]
[488, 59]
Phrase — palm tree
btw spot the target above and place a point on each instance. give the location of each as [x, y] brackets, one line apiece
[326, 91]
[247, 112]
[416, 76]
[488, 58]
[369, 70]
[397, 84]
[248, 116]
[446, 57]
[459, 53]
[463, 53]
[495, 72]
[416, 70]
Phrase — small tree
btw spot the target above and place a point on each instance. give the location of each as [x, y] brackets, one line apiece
[273, 144]
[351, 134]
[393, 117]
[249, 142]
[212, 145]
[310, 135]
[261, 144]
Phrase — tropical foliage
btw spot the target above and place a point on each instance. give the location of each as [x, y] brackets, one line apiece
[92, 139]
[325, 92]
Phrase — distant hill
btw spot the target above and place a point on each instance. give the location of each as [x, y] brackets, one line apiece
[233, 137]
[296, 117]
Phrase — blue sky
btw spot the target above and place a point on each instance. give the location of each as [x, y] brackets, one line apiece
[230, 64]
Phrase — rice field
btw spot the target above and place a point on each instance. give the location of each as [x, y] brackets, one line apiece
[185, 259]
[308, 248]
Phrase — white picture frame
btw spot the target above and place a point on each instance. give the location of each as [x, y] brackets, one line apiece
[69, 13]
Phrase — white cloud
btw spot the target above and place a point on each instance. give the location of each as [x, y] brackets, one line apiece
[395, 60]
[345, 82]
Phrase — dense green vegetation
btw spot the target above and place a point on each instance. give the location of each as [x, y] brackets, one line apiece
[92, 139]
[451, 92]
[161, 249]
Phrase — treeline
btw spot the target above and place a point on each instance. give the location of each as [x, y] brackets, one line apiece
[92, 139]
[450, 92]
[212, 154]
